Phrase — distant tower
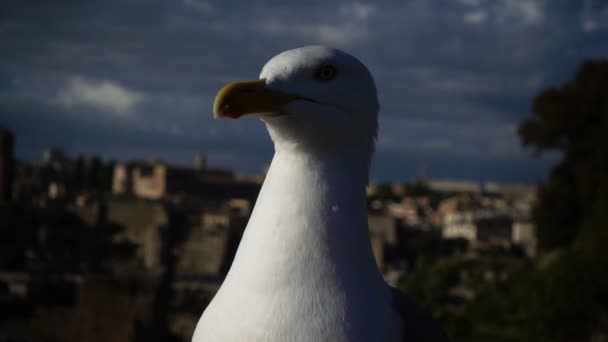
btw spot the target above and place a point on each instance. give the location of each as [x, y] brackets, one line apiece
[122, 179]
[200, 161]
[7, 163]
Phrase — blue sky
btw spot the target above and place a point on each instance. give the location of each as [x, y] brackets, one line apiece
[135, 79]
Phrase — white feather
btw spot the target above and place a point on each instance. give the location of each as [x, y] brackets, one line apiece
[304, 270]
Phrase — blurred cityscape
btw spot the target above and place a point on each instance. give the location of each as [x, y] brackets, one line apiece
[93, 250]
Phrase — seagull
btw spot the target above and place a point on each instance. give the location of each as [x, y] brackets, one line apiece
[304, 269]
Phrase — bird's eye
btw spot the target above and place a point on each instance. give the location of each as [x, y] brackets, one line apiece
[326, 73]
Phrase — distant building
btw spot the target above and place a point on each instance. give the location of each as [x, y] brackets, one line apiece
[16, 283]
[158, 180]
[372, 189]
[522, 196]
[204, 253]
[414, 212]
[150, 181]
[398, 190]
[54, 158]
[511, 190]
[459, 225]
[7, 164]
[143, 223]
[101, 311]
[494, 228]
[240, 206]
[56, 190]
[384, 237]
[454, 186]
[122, 179]
[524, 235]
[479, 227]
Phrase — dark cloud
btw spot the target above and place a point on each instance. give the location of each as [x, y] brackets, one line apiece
[136, 79]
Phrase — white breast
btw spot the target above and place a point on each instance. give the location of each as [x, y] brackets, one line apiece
[304, 270]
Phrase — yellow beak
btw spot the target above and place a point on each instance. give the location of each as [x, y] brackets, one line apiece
[252, 97]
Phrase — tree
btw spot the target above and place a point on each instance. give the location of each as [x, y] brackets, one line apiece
[573, 120]
[564, 297]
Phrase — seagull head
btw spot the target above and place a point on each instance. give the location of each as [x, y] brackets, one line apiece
[311, 98]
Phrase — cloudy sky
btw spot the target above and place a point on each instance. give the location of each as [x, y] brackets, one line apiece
[135, 79]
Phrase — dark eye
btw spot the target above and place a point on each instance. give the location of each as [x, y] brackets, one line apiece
[326, 73]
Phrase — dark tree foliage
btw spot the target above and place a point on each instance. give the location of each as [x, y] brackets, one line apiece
[573, 120]
[555, 304]
[564, 295]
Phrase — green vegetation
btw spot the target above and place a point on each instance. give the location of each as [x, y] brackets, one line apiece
[572, 120]
[563, 294]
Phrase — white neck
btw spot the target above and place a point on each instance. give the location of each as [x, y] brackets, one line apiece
[311, 209]
[305, 261]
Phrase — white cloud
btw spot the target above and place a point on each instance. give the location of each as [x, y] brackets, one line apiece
[204, 7]
[513, 14]
[105, 96]
[466, 74]
[589, 25]
[470, 2]
[594, 15]
[338, 33]
[359, 10]
[476, 17]
[533, 11]
[526, 12]
[339, 25]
